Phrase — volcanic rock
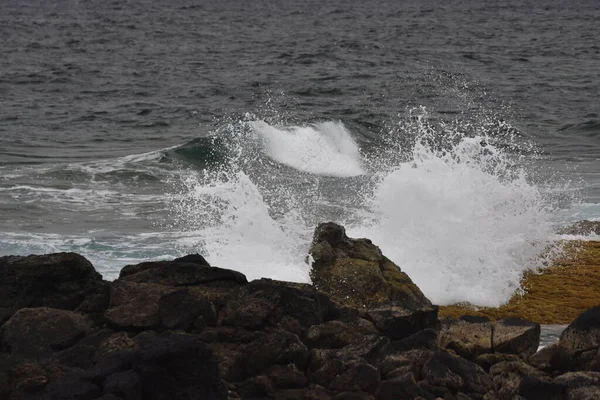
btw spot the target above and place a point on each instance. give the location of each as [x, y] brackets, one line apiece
[355, 273]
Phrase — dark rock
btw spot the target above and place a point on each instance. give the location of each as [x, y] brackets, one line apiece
[347, 374]
[270, 347]
[181, 272]
[355, 273]
[117, 342]
[184, 309]
[580, 385]
[310, 393]
[193, 259]
[370, 347]
[337, 334]
[515, 336]
[399, 323]
[542, 359]
[533, 388]
[71, 389]
[353, 396]
[255, 387]
[466, 337]
[286, 376]
[508, 375]
[37, 332]
[424, 339]
[445, 367]
[486, 361]
[78, 356]
[410, 362]
[96, 302]
[177, 366]
[403, 387]
[579, 342]
[135, 305]
[125, 384]
[60, 280]
[263, 303]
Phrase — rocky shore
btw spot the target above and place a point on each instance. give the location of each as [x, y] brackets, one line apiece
[183, 329]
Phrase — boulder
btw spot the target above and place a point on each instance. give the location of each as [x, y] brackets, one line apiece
[337, 334]
[267, 303]
[515, 336]
[508, 375]
[580, 385]
[135, 305]
[60, 280]
[468, 337]
[186, 271]
[355, 273]
[186, 309]
[456, 374]
[398, 322]
[582, 335]
[39, 332]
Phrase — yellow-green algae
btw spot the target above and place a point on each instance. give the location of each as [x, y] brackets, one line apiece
[555, 295]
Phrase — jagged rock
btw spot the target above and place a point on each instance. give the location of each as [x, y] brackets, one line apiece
[424, 339]
[135, 305]
[444, 369]
[515, 336]
[185, 271]
[486, 361]
[355, 273]
[579, 342]
[37, 332]
[264, 303]
[398, 323]
[580, 385]
[60, 280]
[286, 376]
[337, 334]
[508, 375]
[468, 337]
[186, 309]
[177, 366]
[396, 365]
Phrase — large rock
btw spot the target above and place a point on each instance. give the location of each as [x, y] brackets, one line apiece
[579, 343]
[515, 336]
[186, 271]
[135, 305]
[398, 322]
[60, 280]
[355, 273]
[268, 303]
[468, 337]
[38, 332]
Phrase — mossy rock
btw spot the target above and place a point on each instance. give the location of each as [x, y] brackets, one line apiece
[554, 295]
[355, 273]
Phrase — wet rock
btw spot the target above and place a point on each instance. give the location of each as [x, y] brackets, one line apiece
[337, 334]
[355, 273]
[486, 361]
[508, 375]
[135, 305]
[515, 336]
[580, 341]
[468, 337]
[266, 303]
[582, 228]
[424, 339]
[177, 366]
[398, 323]
[445, 367]
[269, 347]
[580, 385]
[38, 332]
[60, 280]
[286, 376]
[185, 309]
[186, 271]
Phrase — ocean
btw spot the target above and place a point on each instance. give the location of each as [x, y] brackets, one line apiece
[457, 135]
